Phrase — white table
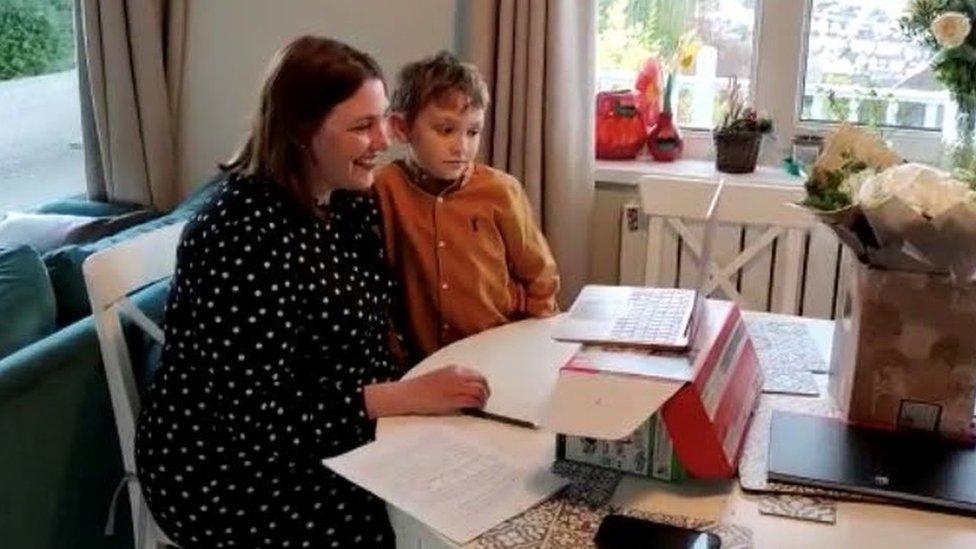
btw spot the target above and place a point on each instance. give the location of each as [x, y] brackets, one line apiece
[859, 525]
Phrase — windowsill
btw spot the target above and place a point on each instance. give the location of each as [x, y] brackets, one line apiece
[629, 172]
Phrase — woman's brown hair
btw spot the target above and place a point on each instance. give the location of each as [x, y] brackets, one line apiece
[305, 80]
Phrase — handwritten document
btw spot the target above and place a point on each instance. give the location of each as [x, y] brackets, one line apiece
[446, 480]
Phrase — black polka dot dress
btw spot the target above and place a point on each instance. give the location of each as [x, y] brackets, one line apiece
[275, 323]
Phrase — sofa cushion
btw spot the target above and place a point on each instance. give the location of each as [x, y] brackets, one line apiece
[26, 299]
[46, 232]
[87, 208]
[43, 232]
[64, 264]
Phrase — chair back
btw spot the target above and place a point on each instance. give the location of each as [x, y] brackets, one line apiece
[676, 208]
[111, 275]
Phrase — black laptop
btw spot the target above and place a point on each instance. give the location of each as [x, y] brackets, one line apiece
[914, 467]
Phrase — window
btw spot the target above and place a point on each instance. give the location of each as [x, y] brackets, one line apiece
[859, 68]
[41, 157]
[630, 31]
[808, 63]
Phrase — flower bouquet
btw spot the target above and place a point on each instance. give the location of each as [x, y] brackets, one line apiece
[945, 28]
[904, 346]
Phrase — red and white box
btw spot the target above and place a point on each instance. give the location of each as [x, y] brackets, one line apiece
[706, 396]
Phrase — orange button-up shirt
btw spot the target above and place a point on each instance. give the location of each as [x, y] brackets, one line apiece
[469, 257]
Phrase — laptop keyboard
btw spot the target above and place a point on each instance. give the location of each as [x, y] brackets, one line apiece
[654, 315]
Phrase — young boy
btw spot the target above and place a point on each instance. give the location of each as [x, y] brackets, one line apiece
[460, 235]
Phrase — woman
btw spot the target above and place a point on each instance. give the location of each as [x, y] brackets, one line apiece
[277, 327]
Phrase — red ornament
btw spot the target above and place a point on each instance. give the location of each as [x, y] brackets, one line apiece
[620, 130]
[664, 142]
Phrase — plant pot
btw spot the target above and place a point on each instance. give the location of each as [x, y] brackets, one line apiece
[736, 152]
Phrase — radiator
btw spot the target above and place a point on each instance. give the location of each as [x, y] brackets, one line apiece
[822, 274]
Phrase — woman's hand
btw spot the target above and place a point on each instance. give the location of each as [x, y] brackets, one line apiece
[446, 390]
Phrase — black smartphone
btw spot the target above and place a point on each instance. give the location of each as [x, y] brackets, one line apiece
[620, 532]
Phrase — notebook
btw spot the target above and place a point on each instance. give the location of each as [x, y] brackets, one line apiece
[659, 318]
[914, 467]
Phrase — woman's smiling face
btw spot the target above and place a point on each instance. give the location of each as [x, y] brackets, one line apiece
[344, 148]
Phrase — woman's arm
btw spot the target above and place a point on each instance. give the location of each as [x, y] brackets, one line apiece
[443, 391]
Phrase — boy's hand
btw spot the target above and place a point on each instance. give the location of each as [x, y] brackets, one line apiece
[446, 390]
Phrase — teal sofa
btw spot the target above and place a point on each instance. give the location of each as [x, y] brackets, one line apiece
[59, 452]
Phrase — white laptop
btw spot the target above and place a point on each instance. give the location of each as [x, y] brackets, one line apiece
[659, 318]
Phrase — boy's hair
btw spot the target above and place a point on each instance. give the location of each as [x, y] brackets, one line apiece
[433, 79]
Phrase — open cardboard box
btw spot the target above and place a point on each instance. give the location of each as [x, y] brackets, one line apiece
[706, 397]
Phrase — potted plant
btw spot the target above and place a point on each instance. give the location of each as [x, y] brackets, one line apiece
[739, 135]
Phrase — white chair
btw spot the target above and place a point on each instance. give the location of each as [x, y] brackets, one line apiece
[673, 203]
[111, 275]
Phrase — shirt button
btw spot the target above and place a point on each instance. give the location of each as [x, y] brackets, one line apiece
[446, 326]
[444, 286]
[441, 244]
[440, 199]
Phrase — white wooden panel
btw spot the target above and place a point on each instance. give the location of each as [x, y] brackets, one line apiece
[758, 204]
[755, 275]
[785, 294]
[654, 258]
[110, 275]
[815, 289]
[637, 266]
[116, 271]
[847, 261]
[688, 268]
[725, 248]
[669, 257]
[823, 254]
[633, 245]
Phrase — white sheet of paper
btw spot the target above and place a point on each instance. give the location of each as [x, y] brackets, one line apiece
[520, 360]
[446, 480]
[607, 407]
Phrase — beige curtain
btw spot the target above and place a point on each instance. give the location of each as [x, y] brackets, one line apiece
[539, 59]
[130, 57]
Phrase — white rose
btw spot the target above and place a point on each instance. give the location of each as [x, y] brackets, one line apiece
[853, 183]
[925, 189]
[951, 29]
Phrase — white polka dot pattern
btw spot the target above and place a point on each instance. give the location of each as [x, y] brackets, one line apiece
[275, 322]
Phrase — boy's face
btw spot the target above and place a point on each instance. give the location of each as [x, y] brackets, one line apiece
[444, 137]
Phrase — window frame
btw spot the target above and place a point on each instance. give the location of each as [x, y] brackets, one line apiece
[924, 145]
[780, 41]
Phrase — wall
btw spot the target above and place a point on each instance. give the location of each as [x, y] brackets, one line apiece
[230, 42]
[609, 198]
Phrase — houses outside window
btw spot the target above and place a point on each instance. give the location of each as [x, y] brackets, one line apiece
[809, 63]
